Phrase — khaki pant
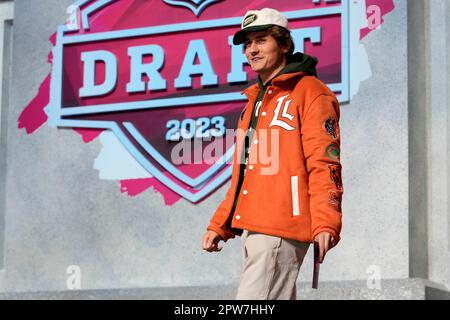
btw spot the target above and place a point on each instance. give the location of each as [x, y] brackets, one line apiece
[270, 267]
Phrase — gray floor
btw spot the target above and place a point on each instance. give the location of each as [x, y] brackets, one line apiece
[404, 289]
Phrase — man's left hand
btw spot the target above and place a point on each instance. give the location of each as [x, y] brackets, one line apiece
[326, 242]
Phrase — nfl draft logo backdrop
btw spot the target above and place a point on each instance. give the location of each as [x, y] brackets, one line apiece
[165, 79]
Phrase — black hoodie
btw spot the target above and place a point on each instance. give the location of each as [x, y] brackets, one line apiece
[298, 62]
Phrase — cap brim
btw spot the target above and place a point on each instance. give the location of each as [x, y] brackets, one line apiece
[239, 37]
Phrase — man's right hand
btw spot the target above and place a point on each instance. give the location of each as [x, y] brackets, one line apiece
[211, 241]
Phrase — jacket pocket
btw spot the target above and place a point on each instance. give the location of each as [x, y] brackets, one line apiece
[294, 190]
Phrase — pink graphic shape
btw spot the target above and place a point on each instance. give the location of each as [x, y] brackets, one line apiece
[34, 116]
[134, 187]
[88, 135]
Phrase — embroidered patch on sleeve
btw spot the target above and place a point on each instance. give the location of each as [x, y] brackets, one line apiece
[335, 175]
[333, 151]
[335, 200]
[331, 127]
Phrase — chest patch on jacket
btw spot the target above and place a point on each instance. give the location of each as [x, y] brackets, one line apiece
[281, 114]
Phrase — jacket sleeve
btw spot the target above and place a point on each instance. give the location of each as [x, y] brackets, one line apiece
[321, 147]
[217, 223]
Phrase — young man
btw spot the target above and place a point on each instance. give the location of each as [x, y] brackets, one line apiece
[278, 214]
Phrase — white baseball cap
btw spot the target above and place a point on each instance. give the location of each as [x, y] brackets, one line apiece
[258, 20]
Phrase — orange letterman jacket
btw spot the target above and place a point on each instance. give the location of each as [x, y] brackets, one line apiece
[303, 197]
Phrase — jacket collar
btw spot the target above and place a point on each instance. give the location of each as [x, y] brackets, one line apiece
[253, 90]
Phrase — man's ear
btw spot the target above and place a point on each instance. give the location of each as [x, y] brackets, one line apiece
[287, 48]
[284, 50]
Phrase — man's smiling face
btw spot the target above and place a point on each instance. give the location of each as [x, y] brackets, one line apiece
[263, 52]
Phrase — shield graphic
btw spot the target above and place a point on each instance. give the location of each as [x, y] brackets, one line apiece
[169, 87]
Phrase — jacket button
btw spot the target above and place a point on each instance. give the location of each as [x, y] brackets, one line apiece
[250, 167]
[245, 192]
[264, 114]
[238, 217]
[256, 141]
[270, 92]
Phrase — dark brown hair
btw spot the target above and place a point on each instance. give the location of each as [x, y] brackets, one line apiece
[283, 37]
